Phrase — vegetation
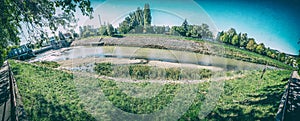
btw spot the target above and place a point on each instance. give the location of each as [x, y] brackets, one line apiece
[138, 21]
[194, 31]
[35, 16]
[241, 40]
[51, 95]
[251, 98]
[147, 72]
[48, 94]
[247, 98]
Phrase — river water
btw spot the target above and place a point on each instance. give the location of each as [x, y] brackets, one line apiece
[150, 54]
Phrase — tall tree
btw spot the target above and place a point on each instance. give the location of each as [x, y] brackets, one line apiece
[147, 15]
[244, 40]
[110, 30]
[185, 25]
[231, 32]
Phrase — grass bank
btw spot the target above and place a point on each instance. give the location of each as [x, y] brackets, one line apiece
[50, 94]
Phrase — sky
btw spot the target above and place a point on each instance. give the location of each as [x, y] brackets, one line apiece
[272, 22]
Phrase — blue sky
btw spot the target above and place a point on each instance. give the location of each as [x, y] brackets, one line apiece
[272, 22]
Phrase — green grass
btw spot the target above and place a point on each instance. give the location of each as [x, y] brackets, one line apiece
[251, 98]
[49, 94]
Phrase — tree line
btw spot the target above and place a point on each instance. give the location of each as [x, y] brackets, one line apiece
[241, 40]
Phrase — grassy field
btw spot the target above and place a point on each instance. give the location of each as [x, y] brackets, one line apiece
[50, 94]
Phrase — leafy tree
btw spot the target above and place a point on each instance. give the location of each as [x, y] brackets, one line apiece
[260, 49]
[244, 40]
[124, 27]
[139, 14]
[103, 30]
[110, 30]
[196, 31]
[225, 38]
[205, 32]
[219, 36]
[251, 45]
[231, 32]
[147, 15]
[235, 40]
[281, 57]
[35, 15]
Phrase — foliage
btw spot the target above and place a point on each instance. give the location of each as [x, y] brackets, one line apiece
[87, 31]
[138, 21]
[194, 31]
[251, 45]
[241, 40]
[147, 15]
[104, 69]
[139, 72]
[110, 30]
[34, 16]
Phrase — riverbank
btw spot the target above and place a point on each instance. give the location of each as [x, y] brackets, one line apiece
[182, 44]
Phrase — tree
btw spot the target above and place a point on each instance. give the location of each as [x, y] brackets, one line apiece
[260, 49]
[244, 40]
[235, 40]
[35, 15]
[219, 36]
[124, 27]
[103, 30]
[147, 17]
[110, 30]
[231, 32]
[251, 45]
[225, 38]
[185, 25]
[281, 57]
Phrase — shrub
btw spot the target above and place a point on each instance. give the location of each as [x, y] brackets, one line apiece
[104, 69]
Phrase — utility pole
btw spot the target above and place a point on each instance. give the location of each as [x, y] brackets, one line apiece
[99, 19]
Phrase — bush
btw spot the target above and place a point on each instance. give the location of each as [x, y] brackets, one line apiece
[139, 72]
[104, 69]
[173, 73]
